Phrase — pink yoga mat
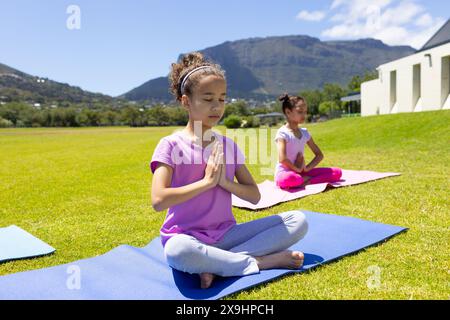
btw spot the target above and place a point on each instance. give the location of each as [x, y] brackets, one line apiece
[272, 195]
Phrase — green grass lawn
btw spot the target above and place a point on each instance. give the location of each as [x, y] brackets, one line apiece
[87, 190]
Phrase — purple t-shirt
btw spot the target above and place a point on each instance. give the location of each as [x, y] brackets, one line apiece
[207, 216]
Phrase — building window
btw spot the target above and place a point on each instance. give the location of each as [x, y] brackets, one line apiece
[393, 91]
[445, 80]
[416, 85]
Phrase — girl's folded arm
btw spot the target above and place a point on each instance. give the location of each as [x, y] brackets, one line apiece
[163, 196]
[246, 187]
[318, 155]
[281, 146]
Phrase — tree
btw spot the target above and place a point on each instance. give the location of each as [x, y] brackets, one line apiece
[327, 107]
[158, 116]
[355, 83]
[313, 99]
[238, 108]
[251, 122]
[4, 123]
[232, 122]
[57, 117]
[131, 116]
[177, 116]
[38, 119]
[70, 117]
[15, 111]
[242, 108]
[275, 106]
[88, 117]
[108, 118]
[333, 92]
[47, 118]
[260, 110]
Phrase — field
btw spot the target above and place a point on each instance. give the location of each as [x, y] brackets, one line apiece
[87, 190]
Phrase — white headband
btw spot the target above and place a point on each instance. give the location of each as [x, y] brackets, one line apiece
[189, 74]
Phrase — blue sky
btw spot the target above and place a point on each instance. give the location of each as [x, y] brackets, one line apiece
[121, 44]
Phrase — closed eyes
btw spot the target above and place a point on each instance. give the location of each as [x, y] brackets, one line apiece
[210, 100]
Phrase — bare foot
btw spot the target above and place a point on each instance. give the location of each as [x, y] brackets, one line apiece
[206, 279]
[283, 259]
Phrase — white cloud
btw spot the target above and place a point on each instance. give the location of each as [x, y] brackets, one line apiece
[424, 20]
[401, 14]
[337, 3]
[419, 39]
[395, 22]
[311, 16]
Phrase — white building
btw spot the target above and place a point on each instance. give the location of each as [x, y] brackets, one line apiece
[419, 82]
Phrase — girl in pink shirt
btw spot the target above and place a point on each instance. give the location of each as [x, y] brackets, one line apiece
[194, 171]
[291, 171]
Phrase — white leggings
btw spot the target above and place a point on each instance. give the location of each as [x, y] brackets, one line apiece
[234, 254]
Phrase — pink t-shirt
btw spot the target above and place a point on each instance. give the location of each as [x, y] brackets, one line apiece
[294, 145]
[207, 216]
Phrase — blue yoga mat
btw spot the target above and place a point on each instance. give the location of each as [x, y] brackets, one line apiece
[142, 273]
[16, 243]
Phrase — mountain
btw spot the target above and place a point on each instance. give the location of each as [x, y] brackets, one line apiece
[153, 90]
[16, 85]
[261, 67]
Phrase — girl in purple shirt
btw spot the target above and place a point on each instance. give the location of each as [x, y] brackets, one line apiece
[194, 171]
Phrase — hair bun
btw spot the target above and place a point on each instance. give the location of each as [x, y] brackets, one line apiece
[284, 97]
[193, 59]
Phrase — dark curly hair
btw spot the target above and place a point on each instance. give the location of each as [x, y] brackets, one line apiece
[290, 102]
[187, 63]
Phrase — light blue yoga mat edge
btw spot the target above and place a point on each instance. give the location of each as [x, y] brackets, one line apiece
[28, 257]
[44, 248]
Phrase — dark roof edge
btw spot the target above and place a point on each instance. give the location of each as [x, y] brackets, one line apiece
[436, 45]
[434, 35]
